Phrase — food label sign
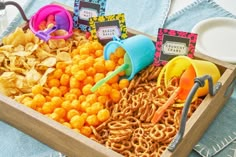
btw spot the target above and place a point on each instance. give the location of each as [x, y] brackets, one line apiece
[172, 43]
[104, 28]
[107, 32]
[86, 13]
[84, 9]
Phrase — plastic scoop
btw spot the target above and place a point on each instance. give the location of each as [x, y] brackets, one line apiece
[45, 34]
[62, 22]
[185, 84]
[127, 67]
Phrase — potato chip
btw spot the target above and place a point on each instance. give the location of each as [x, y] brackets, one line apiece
[22, 84]
[31, 61]
[8, 76]
[42, 54]
[7, 83]
[64, 57]
[3, 69]
[48, 62]
[8, 48]
[22, 53]
[59, 43]
[31, 37]
[31, 47]
[2, 57]
[43, 79]
[6, 53]
[19, 98]
[10, 66]
[32, 76]
[60, 32]
[44, 46]
[64, 49]
[8, 91]
[19, 37]
[18, 48]
[16, 38]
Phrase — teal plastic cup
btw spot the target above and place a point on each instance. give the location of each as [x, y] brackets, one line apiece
[139, 48]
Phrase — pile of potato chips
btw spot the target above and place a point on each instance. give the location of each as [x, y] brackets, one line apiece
[26, 60]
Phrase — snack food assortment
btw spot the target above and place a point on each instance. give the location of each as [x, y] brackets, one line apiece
[55, 78]
[58, 81]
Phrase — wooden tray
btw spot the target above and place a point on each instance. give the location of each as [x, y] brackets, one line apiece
[73, 144]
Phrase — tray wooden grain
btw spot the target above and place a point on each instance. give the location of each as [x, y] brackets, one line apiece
[73, 144]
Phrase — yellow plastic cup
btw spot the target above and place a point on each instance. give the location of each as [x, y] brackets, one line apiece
[179, 64]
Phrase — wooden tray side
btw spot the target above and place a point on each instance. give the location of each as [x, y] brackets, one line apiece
[203, 117]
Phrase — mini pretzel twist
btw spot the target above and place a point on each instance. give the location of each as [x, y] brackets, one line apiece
[128, 153]
[134, 122]
[122, 132]
[113, 125]
[174, 82]
[128, 111]
[155, 154]
[119, 147]
[157, 91]
[153, 145]
[147, 126]
[160, 102]
[151, 112]
[141, 146]
[135, 102]
[118, 115]
[170, 132]
[118, 138]
[95, 133]
[124, 92]
[144, 75]
[154, 73]
[103, 125]
[138, 132]
[145, 113]
[177, 117]
[168, 117]
[161, 149]
[157, 132]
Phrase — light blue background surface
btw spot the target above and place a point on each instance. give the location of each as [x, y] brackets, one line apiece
[146, 16]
